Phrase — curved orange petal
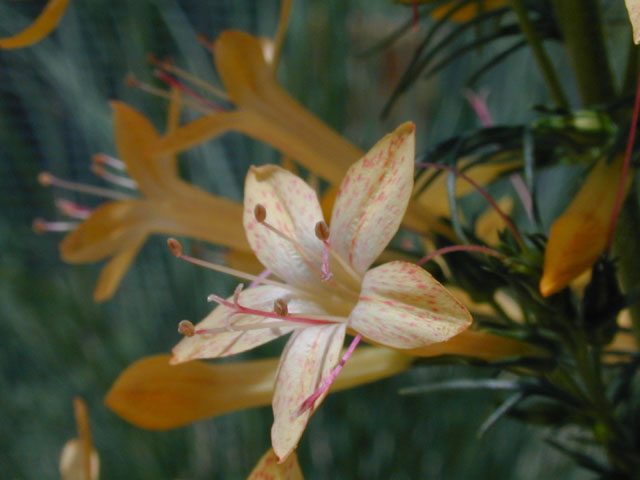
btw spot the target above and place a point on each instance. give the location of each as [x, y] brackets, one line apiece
[579, 235]
[109, 228]
[114, 270]
[402, 306]
[40, 28]
[372, 199]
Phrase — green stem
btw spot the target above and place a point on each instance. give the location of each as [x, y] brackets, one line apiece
[544, 63]
[631, 70]
[581, 24]
[627, 249]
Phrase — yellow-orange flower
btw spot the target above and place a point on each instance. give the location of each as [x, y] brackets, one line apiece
[579, 235]
[79, 460]
[170, 206]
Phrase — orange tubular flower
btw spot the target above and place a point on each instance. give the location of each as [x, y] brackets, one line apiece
[579, 235]
[155, 395]
[40, 28]
[170, 206]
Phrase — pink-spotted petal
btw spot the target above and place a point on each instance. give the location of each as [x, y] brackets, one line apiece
[308, 357]
[402, 306]
[373, 198]
[226, 343]
[293, 209]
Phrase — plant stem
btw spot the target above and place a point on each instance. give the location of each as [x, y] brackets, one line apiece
[631, 70]
[544, 63]
[627, 250]
[581, 24]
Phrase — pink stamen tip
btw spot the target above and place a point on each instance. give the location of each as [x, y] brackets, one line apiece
[329, 379]
[72, 209]
[41, 226]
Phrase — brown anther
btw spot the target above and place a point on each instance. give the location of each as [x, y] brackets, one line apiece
[45, 179]
[322, 230]
[131, 81]
[39, 226]
[260, 212]
[280, 307]
[98, 158]
[97, 170]
[186, 328]
[176, 247]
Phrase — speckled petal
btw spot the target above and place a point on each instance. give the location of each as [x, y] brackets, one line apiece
[224, 344]
[268, 468]
[373, 198]
[292, 208]
[309, 356]
[402, 306]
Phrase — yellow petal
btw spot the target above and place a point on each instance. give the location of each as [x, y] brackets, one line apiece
[268, 468]
[579, 235]
[114, 270]
[40, 28]
[402, 306]
[477, 344]
[292, 208]
[307, 359]
[633, 8]
[153, 394]
[373, 198]
[243, 261]
[109, 228]
[134, 135]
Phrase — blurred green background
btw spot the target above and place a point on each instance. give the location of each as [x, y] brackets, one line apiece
[56, 343]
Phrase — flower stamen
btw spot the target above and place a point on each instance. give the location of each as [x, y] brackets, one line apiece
[133, 82]
[46, 180]
[41, 226]
[119, 180]
[72, 209]
[177, 250]
[104, 159]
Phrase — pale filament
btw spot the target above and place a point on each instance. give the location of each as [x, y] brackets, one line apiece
[72, 209]
[237, 273]
[308, 257]
[40, 226]
[169, 80]
[47, 179]
[189, 77]
[115, 163]
[145, 87]
[115, 179]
